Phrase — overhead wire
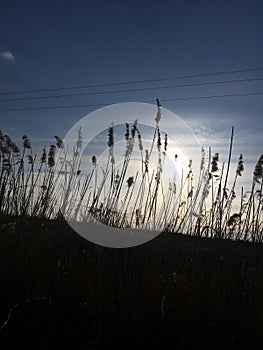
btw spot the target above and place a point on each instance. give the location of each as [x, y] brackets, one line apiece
[150, 88]
[145, 101]
[131, 90]
[254, 69]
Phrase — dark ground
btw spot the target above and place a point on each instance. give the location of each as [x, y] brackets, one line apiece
[174, 292]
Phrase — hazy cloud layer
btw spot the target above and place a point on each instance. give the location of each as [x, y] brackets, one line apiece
[7, 56]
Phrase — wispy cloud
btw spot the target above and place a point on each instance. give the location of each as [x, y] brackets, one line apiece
[7, 56]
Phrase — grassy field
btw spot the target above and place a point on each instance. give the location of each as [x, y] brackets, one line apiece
[124, 194]
[175, 292]
[197, 285]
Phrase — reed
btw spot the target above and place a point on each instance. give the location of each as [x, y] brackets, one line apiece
[53, 185]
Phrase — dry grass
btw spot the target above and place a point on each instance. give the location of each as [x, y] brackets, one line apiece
[180, 291]
[52, 184]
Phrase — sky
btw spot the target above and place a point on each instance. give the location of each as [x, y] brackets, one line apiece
[57, 44]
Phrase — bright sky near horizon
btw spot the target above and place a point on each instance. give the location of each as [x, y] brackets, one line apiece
[53, 44]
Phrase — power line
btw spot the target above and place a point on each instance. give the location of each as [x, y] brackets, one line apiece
[130, 90]
[213, 96]
[134, 81]
[85, 94]
[146, 101]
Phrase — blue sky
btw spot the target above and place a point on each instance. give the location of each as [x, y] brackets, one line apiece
[47, 44]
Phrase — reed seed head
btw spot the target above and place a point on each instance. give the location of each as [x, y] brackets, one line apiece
[130, 181]
[51, 156]
[234, 219]
[215, 163]
[134, 128]
[8, 141]
[202, 165]
[258, 172]
[165, 142]
[80, 139]
[26, 143]
[158, 177]
[240, 165]
[94, 160]
[43, 158]
[127, 134]
[59, 143]
[140, 141]
[30, 159]
[159, 111]
[159, 142]
[16, 150]
[111, 136]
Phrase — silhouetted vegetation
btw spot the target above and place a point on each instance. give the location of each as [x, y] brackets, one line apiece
[197, 285]
[58, 183]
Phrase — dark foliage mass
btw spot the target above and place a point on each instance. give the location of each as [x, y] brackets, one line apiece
[176, 292]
